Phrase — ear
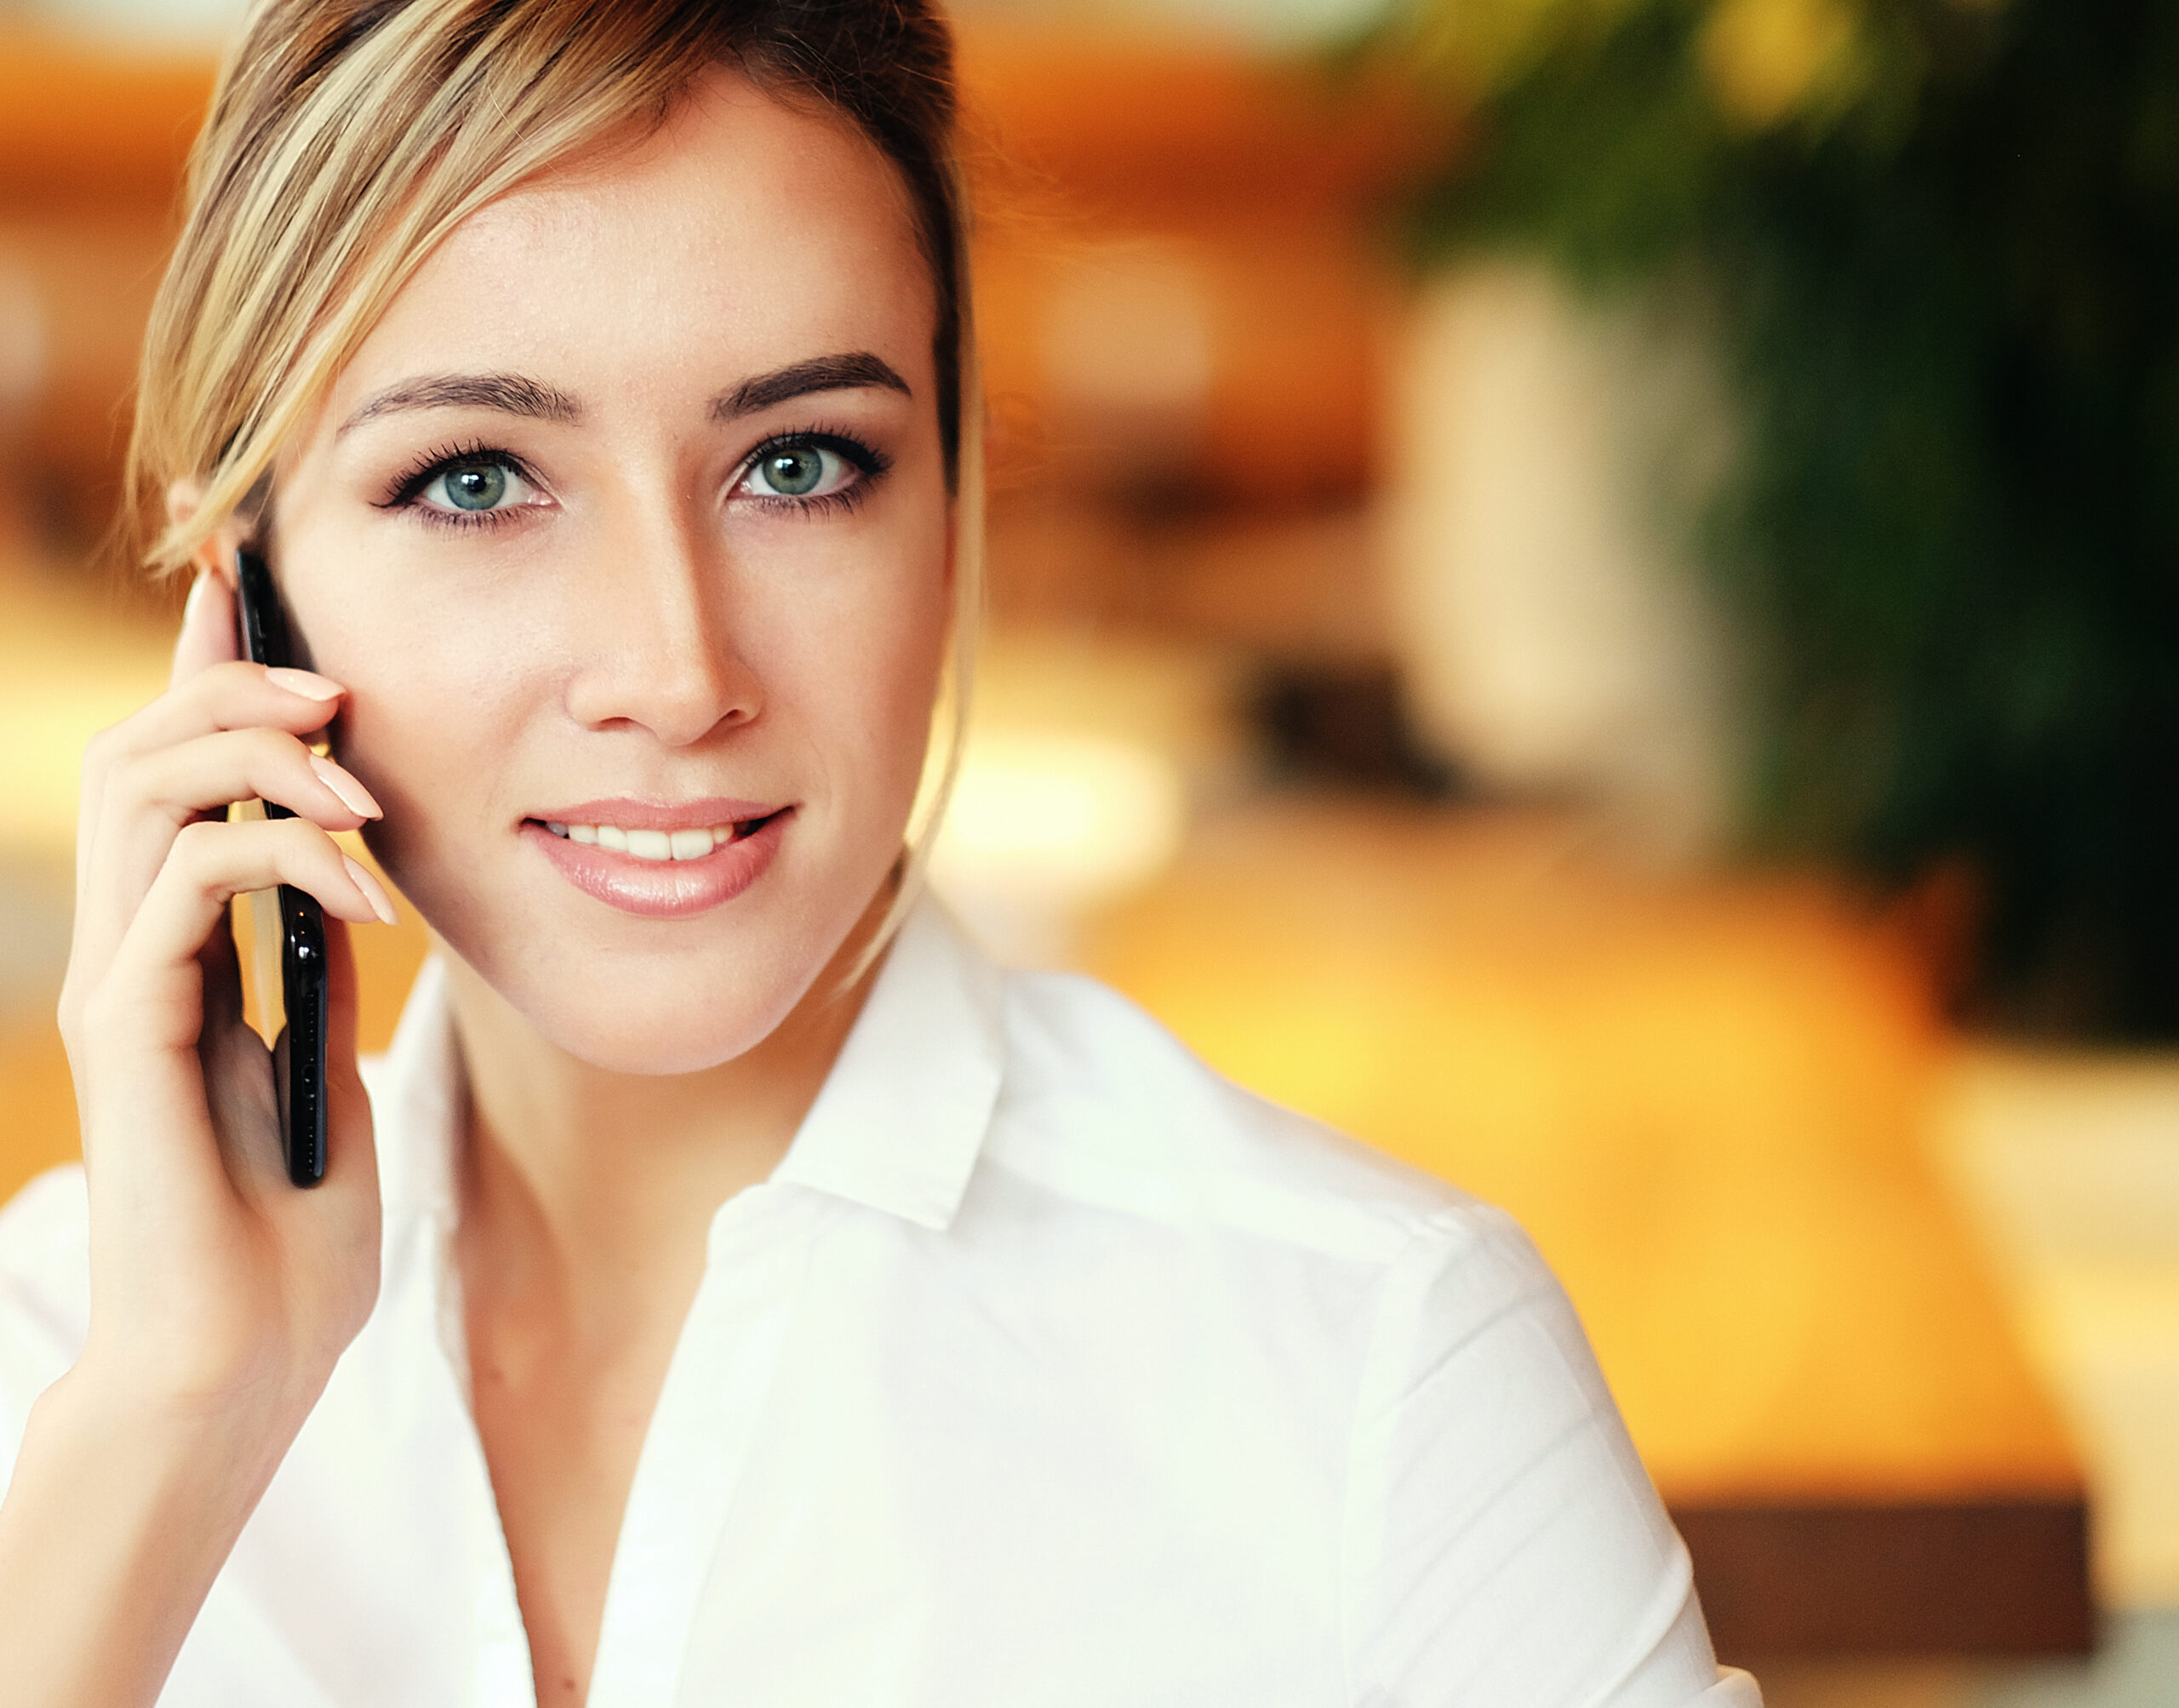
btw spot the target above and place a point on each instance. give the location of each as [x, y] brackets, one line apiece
[217, 553]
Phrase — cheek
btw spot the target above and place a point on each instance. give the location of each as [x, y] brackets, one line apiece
[878, 677]
[427, 724]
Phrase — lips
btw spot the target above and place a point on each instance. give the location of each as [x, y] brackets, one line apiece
[659, 860]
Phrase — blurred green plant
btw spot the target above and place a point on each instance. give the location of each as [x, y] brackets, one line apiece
[1943, 239]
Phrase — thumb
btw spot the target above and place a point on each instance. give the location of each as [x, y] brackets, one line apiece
[208, 633]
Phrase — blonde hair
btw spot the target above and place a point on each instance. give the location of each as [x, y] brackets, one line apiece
[348, 138]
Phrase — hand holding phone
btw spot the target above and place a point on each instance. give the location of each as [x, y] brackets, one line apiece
[218, 1298]
[299, 1051]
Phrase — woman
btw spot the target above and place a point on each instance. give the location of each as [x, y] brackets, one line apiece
[730, 1288]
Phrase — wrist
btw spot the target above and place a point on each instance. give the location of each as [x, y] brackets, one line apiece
[121, 1509]
[162, 1427]
[239, 1383]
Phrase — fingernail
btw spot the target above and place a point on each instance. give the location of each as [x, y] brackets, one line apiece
[373, 891]
[353, 795]
[197, 589]
[307, 683]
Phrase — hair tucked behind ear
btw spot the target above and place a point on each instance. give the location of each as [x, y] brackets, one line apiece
[347, 138]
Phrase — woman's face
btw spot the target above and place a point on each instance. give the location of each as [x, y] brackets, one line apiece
[627, 530]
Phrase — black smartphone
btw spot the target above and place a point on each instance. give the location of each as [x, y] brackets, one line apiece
[299, 1051]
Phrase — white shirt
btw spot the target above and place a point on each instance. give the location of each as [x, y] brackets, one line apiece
[1048, 1369]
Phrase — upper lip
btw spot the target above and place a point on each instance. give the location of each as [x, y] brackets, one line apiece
[661, 815]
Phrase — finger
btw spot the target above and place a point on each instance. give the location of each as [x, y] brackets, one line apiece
[211, 863]
[230, 695]
[240, 1097]
[208, 635]
[199, 776]
[222, 960]
[219, 696]
[149, 797]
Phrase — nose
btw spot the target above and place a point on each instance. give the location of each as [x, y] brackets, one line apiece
[661, 653]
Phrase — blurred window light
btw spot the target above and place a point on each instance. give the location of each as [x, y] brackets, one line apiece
[1765, 57]
[66, 673]
[169, 24]
[1044, 825]
[1553, 640]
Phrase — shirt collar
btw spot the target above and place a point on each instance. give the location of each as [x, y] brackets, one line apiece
[897, 1127]
[902, 1117]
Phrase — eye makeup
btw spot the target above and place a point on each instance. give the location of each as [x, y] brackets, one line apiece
[408, 488]
[869, 463]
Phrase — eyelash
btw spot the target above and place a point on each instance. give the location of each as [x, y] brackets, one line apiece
[868, 460]
[409, 485]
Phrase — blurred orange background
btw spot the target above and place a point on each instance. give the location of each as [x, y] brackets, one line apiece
[1864, 1287]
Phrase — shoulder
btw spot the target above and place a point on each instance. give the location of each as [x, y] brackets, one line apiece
[1101, 1103]
[1414, 1297]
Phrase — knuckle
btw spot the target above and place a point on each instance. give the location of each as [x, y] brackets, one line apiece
[300, 839]
[128, 779]
[227, 677]
[101, 753]
[206, 693]
[195, 848]
[98, 751]
[95, 1015]
[269, 748]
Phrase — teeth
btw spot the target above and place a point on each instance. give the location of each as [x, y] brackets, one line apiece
[651, 845]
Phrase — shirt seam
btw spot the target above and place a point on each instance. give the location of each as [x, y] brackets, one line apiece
[1396, 1297]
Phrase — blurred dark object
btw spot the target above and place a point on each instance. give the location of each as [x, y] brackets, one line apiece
[1943, 242]
[1345, 725]
[1826, 1578]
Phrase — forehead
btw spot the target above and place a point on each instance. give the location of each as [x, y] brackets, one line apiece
[743, 232]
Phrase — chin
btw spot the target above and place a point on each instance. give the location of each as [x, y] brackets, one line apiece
[648, 997]
[655, 1032]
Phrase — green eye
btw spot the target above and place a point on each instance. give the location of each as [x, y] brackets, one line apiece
[807, 471]
[474, 486]
[793, 471]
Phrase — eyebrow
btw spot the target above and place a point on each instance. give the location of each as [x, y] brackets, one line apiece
[514, 394]
[510, 393]
[846, 373]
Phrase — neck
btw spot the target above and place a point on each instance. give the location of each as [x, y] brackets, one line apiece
[578, 1184]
